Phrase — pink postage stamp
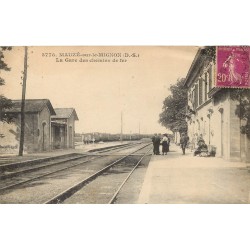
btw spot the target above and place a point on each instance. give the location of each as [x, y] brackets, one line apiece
[233, 66]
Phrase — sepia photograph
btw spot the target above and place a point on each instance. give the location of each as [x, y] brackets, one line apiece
[142, 105]
[124, 125]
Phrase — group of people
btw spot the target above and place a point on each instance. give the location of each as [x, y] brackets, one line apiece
[201, 149]
[164, 140]
[161, 140]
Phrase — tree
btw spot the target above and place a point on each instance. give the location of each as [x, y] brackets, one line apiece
[242, 108]
[3, 65]
[174, 108]
[209, 52]
[5, 103]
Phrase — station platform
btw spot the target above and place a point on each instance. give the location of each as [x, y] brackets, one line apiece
[81, 148]
[188, 179]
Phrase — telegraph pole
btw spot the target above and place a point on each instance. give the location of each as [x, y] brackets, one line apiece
[23, 101]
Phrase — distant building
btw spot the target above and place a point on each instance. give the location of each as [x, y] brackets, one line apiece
[63, 128]
[211, 112]
[46, 128]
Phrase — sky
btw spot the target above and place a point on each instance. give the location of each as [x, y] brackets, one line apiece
[100, 92]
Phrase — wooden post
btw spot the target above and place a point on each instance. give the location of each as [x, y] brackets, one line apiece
[23, 101]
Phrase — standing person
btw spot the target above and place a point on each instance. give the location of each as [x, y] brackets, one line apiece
[183, 142]
[154, 144]
[157, 143]
[165, 145]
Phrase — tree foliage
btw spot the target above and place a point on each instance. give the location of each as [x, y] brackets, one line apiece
[174, 108]
[3, 65]
[209, 52]
[242, 96]
[5, 103]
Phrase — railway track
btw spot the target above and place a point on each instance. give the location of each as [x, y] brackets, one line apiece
[60, 165]
[114, 197]
[123, 167]
[9, 172]
[36, 186]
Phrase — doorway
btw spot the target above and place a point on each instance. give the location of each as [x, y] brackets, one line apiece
[222, 132]
[43, 136]
[70, 137]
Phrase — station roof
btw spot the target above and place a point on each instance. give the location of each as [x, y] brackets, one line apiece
[194, 67]
[65, 113]
[32, 106]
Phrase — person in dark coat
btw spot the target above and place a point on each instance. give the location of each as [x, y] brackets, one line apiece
[183, 142]
[154, 144]
[157, 143]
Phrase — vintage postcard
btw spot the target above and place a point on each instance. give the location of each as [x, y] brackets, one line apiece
[125, 125]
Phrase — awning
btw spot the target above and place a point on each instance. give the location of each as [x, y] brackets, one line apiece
[58, 123]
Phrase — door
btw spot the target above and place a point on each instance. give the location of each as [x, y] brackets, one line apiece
[222, 133]
[70, 137]
[43, 136]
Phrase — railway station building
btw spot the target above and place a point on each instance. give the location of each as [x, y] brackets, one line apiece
[63, 128]
[211, 113]
[37, 135]
[46, 128]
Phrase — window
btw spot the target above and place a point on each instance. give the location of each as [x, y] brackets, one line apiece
[200, 91]
[192, 98]
[210, 78]
[205, 87]
[196, 96]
